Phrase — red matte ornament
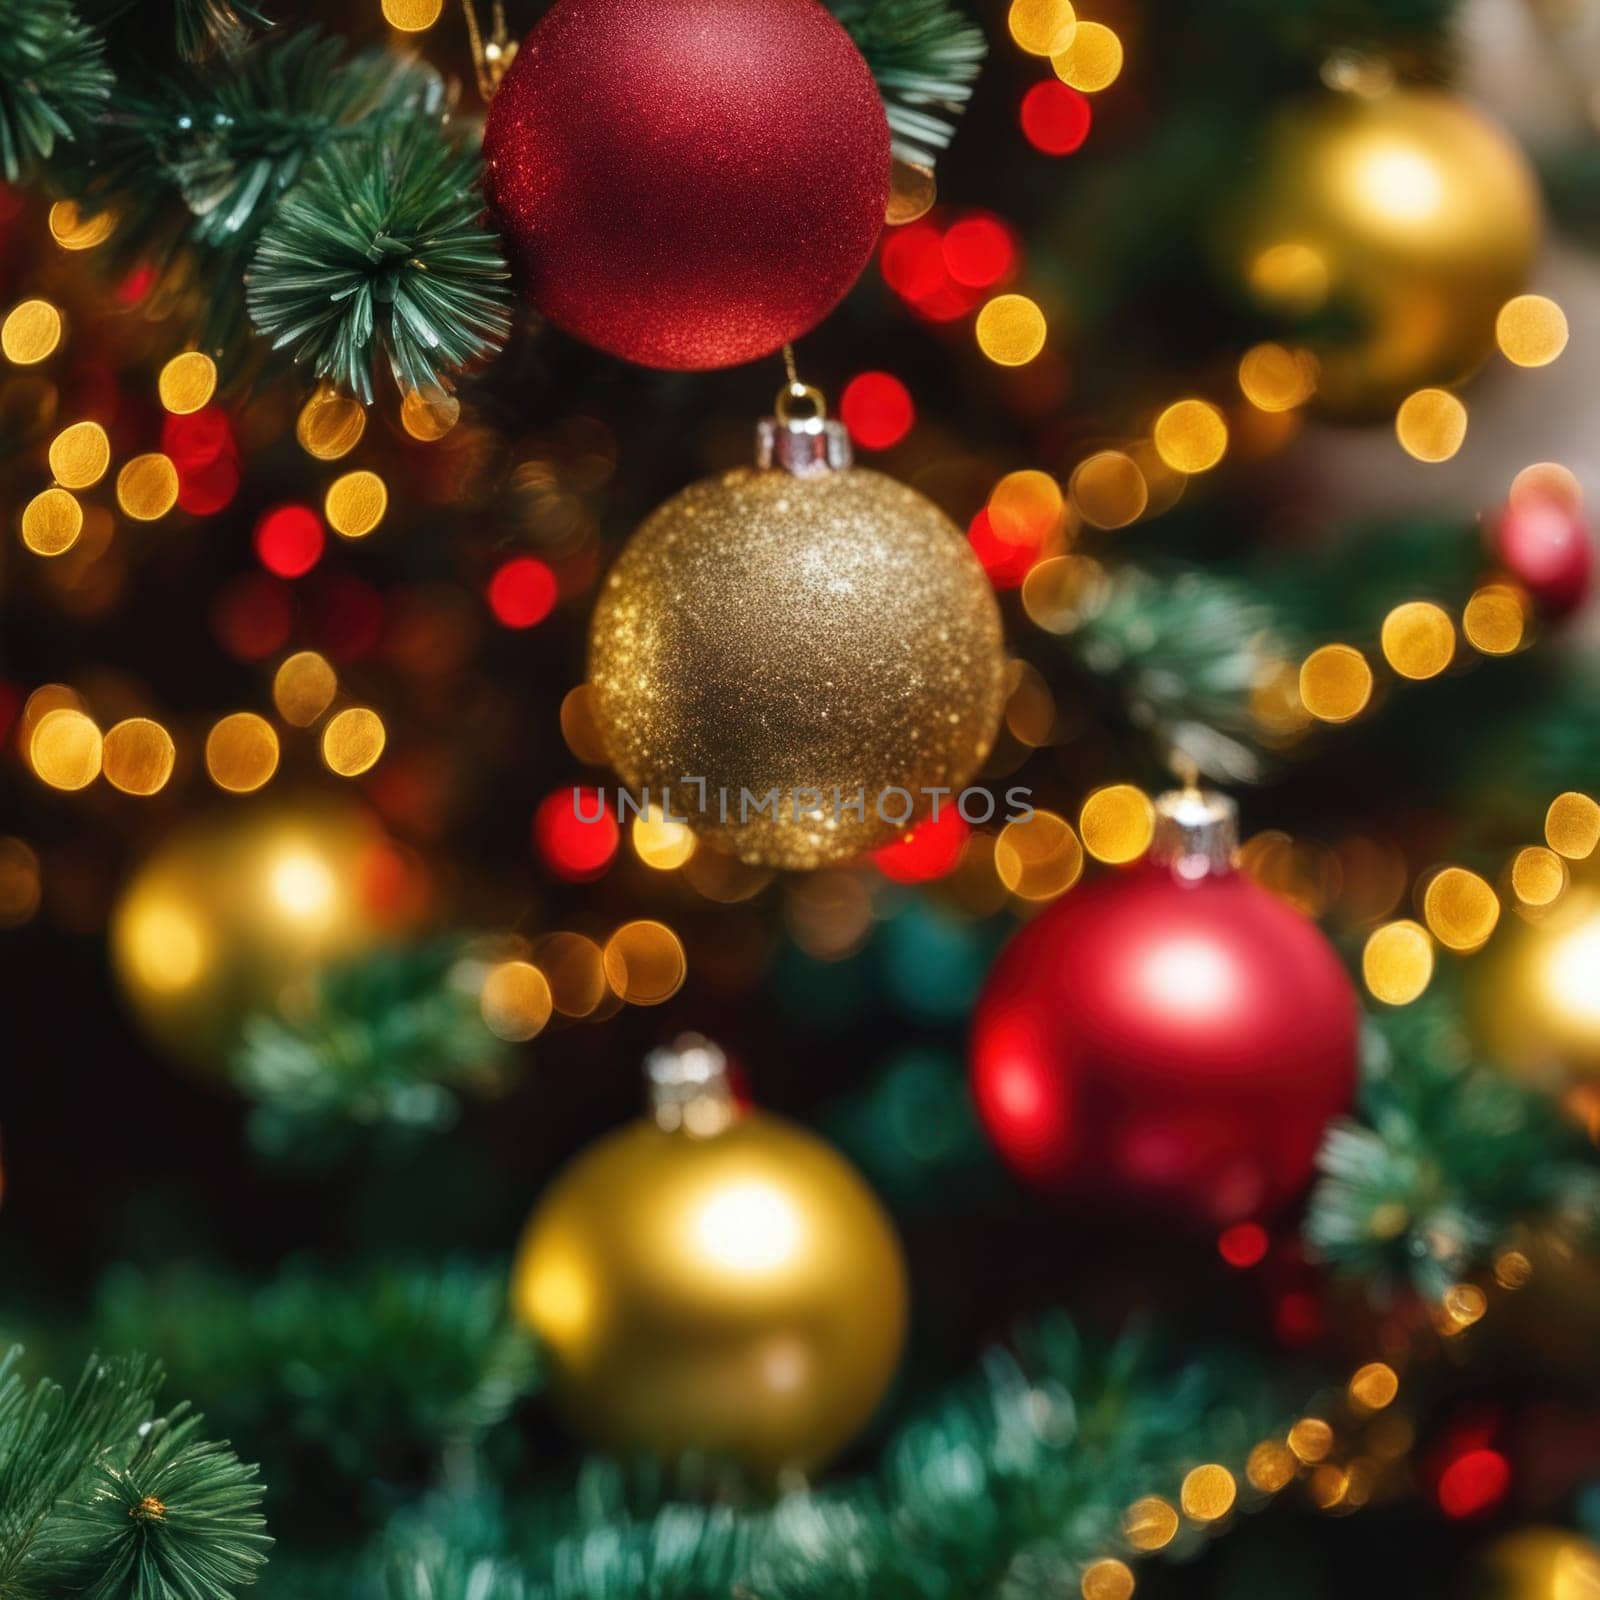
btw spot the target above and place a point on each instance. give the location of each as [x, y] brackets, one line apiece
[1172, 1038]
[688, 183]
[1547, 548]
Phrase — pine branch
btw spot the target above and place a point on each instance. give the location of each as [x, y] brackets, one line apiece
[1454, 1155]
[194, 164]
[338, 1378]
[381, 251]
[196, 29]
[388, 1040]
[1185, 650]
[54, 82]
[101, 1499]
[926, 57]
[177, 1518]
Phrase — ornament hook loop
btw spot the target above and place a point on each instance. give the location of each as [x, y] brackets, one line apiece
[689, 1088]
[796, 394]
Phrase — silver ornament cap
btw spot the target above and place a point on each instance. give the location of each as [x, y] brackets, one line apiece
[801, 439]
[1197, 833]
[688, 1087]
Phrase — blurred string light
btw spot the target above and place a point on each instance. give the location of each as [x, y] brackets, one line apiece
[147, 487]
[80, 455]
[877, 409]
[660, 843]
[1495, 619]
[1117, 823]
[1011, 330]
[1531, 330]
[303, 688]
[1431, 425]
[412, 16]
[1056, 119]
[1397, 962]
[1418, 639]
[1108, 489]
[1040, 858]
[1092, 61]
[644, 963]
[522, 592]
[21, 882]
[515, 1001]
[1335, 683]
[1547, 480]
[30, 333]
[355, 503]
[352, 741]
[576, 833]
[1572, 825]
[427, 415]
[1538, 877]
[1273, 377]
[51, 522]
[1042, 27]
[289, 540]
[138, 756]
[65, 748]
[187, 382]
[330, 424]
[1460, 908]
[241, 752]
[1191, 436]
[73, 231]
[912, 192]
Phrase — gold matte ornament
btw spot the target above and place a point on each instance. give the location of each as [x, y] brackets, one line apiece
[1407, 216]
[768, 632]
[711, 1281]
[235, 915]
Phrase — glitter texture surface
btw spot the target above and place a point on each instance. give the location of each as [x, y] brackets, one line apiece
[764, 632]
[688, 183]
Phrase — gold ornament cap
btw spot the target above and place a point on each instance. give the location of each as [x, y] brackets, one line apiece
[800, 439]
[1197, 833]
[689, 1088]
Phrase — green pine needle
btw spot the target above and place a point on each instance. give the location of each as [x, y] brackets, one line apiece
[54, 82]
[176, 1520]
[388, 1040]
[1453, 1157]
[380, 252]
[208, 27]
[926, 56]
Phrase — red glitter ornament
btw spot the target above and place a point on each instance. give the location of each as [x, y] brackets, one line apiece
[1173, 1037]
[1546, 547]
[688, 183]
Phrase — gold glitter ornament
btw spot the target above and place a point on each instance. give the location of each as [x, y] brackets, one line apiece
[1405, 218]
[713, 1280]
[795, 653]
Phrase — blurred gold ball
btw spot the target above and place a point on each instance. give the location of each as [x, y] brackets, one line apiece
[739, 1294]
[229, 916]
[764, 633]
[1542, 1564]
[1538, 1003]
[1408, 215]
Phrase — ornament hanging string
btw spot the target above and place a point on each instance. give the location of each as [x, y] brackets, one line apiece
[490, 57]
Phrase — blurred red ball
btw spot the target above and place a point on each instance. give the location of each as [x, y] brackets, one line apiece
[289, 540]
[688, 183]
[522, 592]
[1546, 546]
[1177, 1047]
[1056, 118]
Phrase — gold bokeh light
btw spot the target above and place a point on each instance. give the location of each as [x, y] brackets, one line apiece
[139, 756]
[1272, 377]
[1042, 27]
[1335, 683]
[1108, 489]
[1271, 1466]
[1531, 330]
[241, 752]
[147, 487]
[1397, 962]
[1150, 1523]
[1460, 908]
[645, 963]
[330, 424]
[1039, 858]
[303, 688]
[187, 382]
[1374, 1386]
[72, 230]
[1538, 876]
[661, 843]
[1572, 825]
[515, 1001]
[1117, 823]
[355, 503]
[80, 455]
[412, 16]
[352, 741]
[1107, 1579]
[1495, 620]
[1419, 639]
[30, 333]
[1093, 61]
[1011, 330]
[51, 522]
[1191, 436]
[1431, 425]
[1208, 1493]
[65, 749]
[429, 414]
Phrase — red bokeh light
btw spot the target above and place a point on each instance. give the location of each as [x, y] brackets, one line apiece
[979, 251]
[1474, 1482]
[137, 282]
[252, 617]
[930, 850]
[1007, 562]
[575, 833]
[913, 265]
[1056, 118]
[290, 540]
[1243, 1245]
[1297, 1318]
[208, 490]
[346, 617]
[197, 439]
[876, 407]
[522, 592]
